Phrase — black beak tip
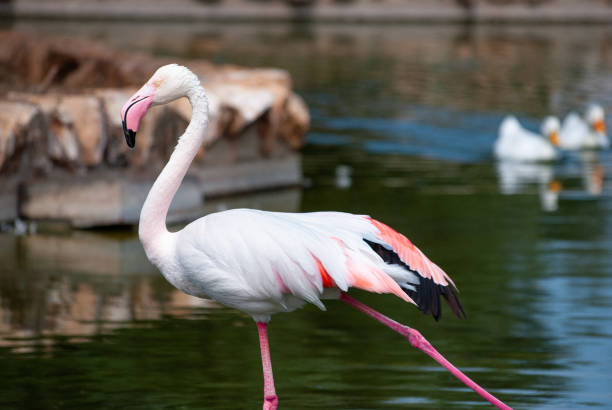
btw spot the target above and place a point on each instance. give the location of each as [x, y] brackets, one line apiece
[130, 136]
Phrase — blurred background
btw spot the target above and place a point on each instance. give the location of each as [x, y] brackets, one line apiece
[389, 108]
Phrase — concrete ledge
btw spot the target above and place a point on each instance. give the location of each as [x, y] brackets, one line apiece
[115, 197]
[8, 200]
[101, 199]
[250, 176]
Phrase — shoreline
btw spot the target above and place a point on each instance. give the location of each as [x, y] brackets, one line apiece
[552, 12]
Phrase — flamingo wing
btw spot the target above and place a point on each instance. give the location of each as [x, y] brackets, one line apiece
[274, 254]
[395, 249]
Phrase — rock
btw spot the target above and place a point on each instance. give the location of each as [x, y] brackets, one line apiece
[84, 114]
[294, 122]
[244, 147]
[71, 62]
[63, 143]
[23, 139]
[113, 100]
[22, 146]
[255, 123]
[116, 150]
[246, 104]
[64, 147]
[165, 127]
[156, 135]
[255, 94]
[47, 103]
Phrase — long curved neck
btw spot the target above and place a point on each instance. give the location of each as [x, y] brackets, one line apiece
[152, 226]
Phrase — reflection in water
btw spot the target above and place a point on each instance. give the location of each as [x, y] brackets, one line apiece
[80, 284]
[584, 172]
[592, 172]
[549, 196]
[574, 252]
[516, 176]
[343, 176]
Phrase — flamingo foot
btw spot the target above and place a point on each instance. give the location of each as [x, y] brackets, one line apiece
[270, 402]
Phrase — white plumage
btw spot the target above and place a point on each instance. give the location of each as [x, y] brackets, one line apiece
[589, 133]
[266, 262]
[519, 144]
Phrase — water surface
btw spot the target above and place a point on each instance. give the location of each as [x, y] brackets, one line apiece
[403, 118]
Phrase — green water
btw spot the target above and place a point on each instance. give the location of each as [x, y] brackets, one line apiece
[403, 119]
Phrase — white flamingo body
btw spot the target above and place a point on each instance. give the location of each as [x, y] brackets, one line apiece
[519, 144]
[268, 262]
[578, 133]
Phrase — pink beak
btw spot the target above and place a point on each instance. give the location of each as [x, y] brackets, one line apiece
[133, 111]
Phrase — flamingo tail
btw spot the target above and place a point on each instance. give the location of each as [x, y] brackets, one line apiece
[426, 294]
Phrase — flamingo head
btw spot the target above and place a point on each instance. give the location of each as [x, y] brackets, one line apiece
[595, 118]
[169, 82]
[550, 129]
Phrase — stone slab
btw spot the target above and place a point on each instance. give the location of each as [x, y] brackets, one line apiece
[250, 176]
[99, 200]
[109, 198]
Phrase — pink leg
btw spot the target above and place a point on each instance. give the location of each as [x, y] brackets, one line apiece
[270, 397]
[417, 340]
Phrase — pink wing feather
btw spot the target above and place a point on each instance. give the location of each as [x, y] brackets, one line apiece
[410, 254]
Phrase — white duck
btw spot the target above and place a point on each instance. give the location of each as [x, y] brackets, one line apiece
[577, 133]
[519, 144]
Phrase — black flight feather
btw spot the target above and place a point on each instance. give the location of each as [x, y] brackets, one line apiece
[427, 293]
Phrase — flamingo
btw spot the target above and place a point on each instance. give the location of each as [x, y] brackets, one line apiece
[268, 262]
